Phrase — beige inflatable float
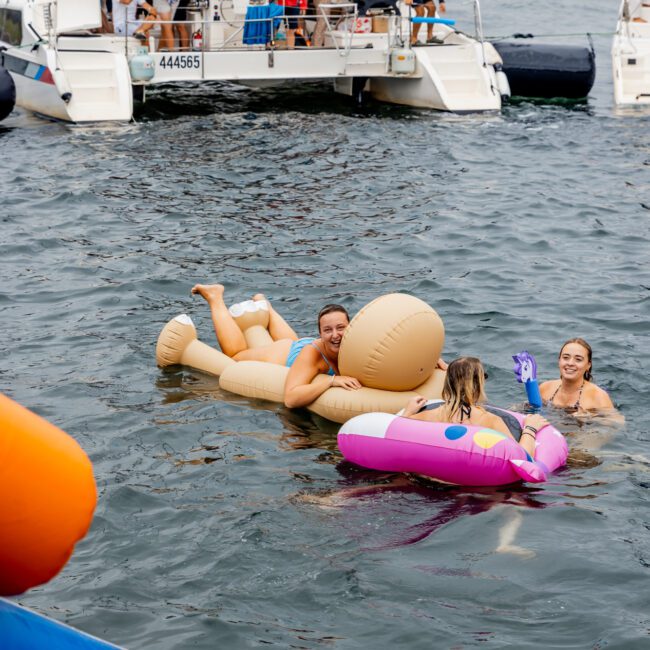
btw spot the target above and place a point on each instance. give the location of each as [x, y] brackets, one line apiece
[391, 346]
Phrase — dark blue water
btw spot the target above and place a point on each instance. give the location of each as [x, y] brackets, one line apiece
[522, 229]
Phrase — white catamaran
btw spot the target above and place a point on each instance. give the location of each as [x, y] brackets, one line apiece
[63, 68]
[631, 53]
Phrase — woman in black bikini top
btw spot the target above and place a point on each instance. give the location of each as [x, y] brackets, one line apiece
[575, 406]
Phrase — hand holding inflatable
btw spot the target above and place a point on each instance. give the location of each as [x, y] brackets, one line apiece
[526, 372]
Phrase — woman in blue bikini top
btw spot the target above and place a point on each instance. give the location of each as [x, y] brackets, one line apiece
[309, 357]
[306, 357]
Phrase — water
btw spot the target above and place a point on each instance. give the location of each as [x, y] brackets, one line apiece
[522, 229]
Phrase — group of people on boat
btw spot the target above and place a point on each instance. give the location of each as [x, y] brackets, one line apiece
[313, 364]
[137, 17]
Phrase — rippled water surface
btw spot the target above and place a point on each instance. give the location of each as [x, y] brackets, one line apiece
[521, 228]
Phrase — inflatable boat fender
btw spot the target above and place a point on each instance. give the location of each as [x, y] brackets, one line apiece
[7, 93]
[48, 497]
[546, 70]
[502, 81]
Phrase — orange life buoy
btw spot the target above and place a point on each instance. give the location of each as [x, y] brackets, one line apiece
[47, 498]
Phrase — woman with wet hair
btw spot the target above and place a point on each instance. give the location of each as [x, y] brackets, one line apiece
[463, 393]
[306, 357]
[575, 390]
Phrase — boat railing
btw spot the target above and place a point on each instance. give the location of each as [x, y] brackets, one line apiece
[478, 30]
[246, 33]
[625, 15]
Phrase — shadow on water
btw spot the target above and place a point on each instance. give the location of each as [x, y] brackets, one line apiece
[170, 101]
[581, 104]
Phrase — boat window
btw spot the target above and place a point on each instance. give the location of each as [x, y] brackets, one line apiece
[11, 26]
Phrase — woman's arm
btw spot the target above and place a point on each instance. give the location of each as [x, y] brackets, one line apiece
[300, 389]
[413, 406]
[532, 424]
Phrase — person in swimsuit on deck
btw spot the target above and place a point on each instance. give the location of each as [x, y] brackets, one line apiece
[306, 357]
[574, 390]
[422, 7]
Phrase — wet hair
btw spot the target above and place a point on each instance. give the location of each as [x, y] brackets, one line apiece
[588, 374]
[331, 309]
[464, 387]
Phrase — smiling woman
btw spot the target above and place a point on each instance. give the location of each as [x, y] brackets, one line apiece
[575, 390]
[306, 357]
[318, 356]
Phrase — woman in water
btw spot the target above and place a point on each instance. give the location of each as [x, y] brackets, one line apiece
[306, 357]
[574, 389]
[462, 393]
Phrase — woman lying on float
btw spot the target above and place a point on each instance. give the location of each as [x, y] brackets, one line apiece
[386, 354]
[307, 357]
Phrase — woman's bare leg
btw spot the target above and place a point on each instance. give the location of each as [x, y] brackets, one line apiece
[431, 12]
[508, 534]
[419, 12]
[276, 352]
[278, 327]
[230, 337]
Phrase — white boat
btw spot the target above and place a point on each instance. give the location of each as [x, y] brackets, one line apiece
[631, 53]
[62, 68]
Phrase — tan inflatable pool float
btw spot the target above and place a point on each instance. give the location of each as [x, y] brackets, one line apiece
[391, 346]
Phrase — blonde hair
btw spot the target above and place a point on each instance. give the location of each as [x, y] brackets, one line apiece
[464, 387]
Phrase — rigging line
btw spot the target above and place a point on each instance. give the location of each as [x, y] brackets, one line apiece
[517, 35]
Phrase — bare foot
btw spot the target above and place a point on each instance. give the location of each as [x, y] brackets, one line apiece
[210, 292]
[320, 500]
[508, 533]
[519, 551]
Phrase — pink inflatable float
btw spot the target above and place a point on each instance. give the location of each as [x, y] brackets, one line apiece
[454, 453]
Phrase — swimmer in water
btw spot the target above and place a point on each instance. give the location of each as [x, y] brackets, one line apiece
[306, 357]
[574, 390]
[463, 392]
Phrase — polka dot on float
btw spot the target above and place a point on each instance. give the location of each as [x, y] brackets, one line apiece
[455, 432]
[486, 438]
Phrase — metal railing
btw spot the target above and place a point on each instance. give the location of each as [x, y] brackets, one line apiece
[478, 30]
[339, 27]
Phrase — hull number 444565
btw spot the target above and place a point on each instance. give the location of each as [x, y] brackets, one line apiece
[181, 62]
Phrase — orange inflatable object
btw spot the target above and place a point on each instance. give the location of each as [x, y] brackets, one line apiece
[47, 498]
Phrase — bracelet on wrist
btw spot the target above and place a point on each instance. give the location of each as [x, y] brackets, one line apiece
[533, 429]
[528, 433]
